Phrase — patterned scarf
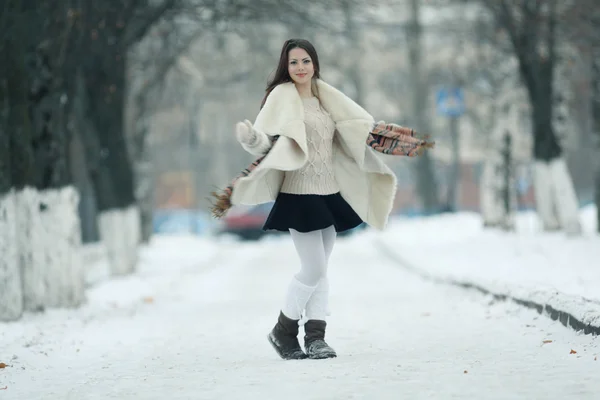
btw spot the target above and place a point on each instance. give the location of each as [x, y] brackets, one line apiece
[385, 138]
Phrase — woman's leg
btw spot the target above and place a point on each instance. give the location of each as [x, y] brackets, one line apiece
[313, 261]
[317, 308]
[318, 304]
[329, 235]
[313, 265]
[313, 257]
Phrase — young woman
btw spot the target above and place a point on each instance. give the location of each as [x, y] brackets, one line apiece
[317, 161]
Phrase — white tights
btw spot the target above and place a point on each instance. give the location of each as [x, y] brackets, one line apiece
[314, 249]
[309, 289]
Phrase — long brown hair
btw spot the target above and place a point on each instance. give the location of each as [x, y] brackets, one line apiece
[282, 75]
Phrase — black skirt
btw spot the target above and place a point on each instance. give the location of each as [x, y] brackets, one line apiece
[311, 212]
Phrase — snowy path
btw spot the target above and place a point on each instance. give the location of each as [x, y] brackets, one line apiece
[202, 335]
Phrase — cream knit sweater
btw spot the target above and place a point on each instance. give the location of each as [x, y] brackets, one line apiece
[316, 176]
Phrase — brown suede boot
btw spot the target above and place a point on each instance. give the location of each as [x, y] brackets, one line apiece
[314, 340]
[284, 338]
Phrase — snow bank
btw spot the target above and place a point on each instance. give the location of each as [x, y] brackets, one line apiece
[163, 262]
[560, 272]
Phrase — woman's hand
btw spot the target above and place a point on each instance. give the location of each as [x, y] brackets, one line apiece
[252, 140]
[245, 133]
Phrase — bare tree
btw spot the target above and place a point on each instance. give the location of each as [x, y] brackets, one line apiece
[596, 119]
[106, 32]
[531, 28]
[582, 28]
[36, 37]
[578, 44]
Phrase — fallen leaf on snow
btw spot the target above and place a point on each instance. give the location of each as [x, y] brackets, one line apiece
[596, 358]
[573, 352]
[148, 299]
[4, 388]
[465, 372]
[547, 341]
[2, 365]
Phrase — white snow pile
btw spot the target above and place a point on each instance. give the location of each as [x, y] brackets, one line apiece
[165, 259]
[550, 269]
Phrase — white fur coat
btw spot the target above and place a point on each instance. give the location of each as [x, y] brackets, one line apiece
[366, 183]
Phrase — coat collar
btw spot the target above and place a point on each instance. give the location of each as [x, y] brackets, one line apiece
[284, 106]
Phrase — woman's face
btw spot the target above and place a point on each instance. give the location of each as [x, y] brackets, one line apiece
[300, 66]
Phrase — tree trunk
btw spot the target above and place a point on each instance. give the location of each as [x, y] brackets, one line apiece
[597, 185]
[508, 192]
[425, 177]
[22, 176]
[5, 167]
[491, 209]
[49, 241]
[11, 287]
[145, 193]
[596, 128]
[142, 161]
[113, 178]
[454, 180]
[545, 142]
[556, 199]
[534, 37]
[197, 162]
[48, 222]
[21, 153]
[498, 186]
[87, 202]
[100, 119]
[62, 246]
[11, 294]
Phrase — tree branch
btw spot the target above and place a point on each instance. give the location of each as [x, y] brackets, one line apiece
[551, 33]
[140, 26]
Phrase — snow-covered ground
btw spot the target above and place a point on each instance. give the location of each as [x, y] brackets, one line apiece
[547, 268]
[192, 324]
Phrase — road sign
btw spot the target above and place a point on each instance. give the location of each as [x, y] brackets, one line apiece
[450, 101]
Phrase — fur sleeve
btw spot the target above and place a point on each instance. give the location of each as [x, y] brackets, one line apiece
[256, 142]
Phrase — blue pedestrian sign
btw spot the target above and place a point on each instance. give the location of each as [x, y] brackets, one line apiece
[450, 101]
